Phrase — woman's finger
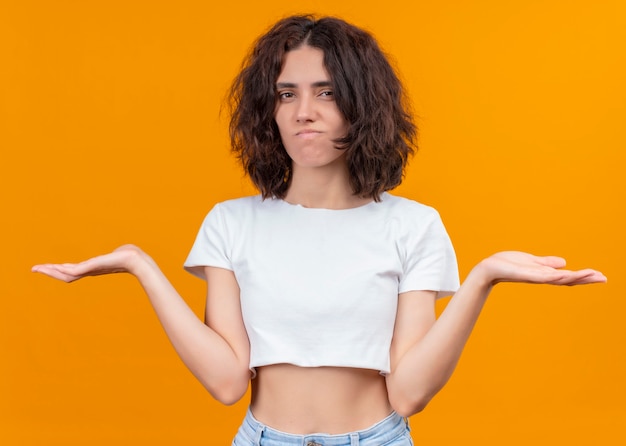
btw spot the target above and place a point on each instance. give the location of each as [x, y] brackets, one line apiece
[55, 272]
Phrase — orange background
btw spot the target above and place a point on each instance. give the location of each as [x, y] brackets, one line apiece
[110, 133]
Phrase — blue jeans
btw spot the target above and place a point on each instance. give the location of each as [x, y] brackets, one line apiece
[392, 431]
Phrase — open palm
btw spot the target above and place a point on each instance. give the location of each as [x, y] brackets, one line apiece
[515, 266]
[119, 261]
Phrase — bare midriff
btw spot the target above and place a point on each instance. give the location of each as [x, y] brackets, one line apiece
[305, 400]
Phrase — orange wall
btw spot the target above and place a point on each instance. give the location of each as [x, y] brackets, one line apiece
[110, 133]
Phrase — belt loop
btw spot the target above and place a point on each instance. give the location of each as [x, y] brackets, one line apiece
[258, 434]
[354, 439]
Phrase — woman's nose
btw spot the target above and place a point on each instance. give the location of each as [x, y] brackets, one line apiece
[306, 110]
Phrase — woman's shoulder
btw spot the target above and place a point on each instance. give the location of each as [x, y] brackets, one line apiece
[242, 207]
[403, 205]
[240, 202]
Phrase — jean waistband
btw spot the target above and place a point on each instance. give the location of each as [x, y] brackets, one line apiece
[385, 430]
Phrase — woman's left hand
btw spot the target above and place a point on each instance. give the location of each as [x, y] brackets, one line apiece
[515, 266]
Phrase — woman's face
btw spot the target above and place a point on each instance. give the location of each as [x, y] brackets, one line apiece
[306, 112]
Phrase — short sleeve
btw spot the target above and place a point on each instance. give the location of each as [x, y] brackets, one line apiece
[430, 262]
[211, 247]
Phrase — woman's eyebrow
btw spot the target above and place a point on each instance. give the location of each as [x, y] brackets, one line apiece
[292, 85]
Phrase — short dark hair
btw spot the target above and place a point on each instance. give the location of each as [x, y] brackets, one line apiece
[381, 134]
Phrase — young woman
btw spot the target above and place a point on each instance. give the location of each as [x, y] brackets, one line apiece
[321, 289]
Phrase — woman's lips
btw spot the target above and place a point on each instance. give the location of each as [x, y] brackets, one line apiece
[308, 133]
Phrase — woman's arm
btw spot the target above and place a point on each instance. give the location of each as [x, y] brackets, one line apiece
[217, 352]
[425, 351]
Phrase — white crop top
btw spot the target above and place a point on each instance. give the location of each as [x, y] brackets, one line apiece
[320, 287]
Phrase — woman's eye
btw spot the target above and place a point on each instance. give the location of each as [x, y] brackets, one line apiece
[327, 93]
[285, 95]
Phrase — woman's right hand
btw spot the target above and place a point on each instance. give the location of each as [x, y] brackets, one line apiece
[124, 259]
[217, 352]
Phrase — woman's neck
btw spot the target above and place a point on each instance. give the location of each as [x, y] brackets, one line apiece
[322, 188]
